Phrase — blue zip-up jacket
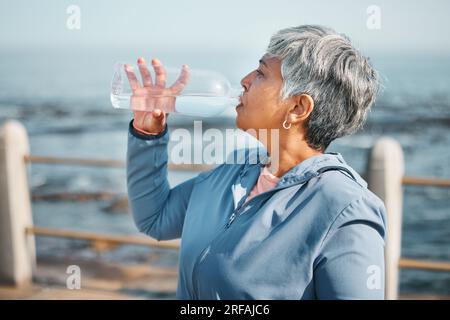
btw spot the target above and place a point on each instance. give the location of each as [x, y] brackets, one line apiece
[319, 234]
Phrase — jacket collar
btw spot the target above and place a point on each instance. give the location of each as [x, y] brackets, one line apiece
[300, 173]
[315, 165]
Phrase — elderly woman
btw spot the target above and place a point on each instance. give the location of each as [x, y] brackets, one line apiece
[306, 227]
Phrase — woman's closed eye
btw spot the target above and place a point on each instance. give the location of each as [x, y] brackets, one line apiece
[259, 72]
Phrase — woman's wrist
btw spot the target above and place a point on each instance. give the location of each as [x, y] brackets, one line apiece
[144, 131]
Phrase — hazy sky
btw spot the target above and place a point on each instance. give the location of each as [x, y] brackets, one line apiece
[416, 26]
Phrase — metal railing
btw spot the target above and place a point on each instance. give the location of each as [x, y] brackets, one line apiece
[102, 241]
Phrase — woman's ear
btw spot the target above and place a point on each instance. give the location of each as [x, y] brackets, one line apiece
[302, 108]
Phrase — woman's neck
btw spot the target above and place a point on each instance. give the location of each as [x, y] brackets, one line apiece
[289, 156]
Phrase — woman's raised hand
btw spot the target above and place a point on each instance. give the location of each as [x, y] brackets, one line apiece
[153, 97]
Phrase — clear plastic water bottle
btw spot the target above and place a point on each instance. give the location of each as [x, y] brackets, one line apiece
[205, 93]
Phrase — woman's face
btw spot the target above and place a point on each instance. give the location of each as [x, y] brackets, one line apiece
[261, 106]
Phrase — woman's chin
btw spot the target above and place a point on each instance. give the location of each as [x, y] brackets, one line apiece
[239, 122]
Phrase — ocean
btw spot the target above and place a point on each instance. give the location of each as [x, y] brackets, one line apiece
[62, 98]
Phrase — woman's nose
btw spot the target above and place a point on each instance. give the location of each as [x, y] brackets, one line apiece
[245, 83]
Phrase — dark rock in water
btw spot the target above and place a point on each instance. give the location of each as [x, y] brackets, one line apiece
[117, 205]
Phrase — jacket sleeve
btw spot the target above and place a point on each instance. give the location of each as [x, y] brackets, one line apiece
[351, 262]
[158, 210]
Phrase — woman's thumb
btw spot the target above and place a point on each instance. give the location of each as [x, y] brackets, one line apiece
[158, 117]
[157, 113]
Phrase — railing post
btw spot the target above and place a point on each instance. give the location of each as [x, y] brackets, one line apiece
[17, 250]
[385, 173]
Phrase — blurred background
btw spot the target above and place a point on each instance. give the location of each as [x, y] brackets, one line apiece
[55, 81]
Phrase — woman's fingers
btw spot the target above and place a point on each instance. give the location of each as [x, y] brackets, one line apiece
[160, 73]
[182, 80]
[134, 83]
[145, 74]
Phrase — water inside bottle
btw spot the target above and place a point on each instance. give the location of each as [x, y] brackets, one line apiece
[203, 106]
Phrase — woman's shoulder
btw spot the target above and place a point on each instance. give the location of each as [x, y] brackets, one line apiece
[350, 201]
[334, 198]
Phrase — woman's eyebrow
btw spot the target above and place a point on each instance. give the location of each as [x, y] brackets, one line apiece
[263, 63]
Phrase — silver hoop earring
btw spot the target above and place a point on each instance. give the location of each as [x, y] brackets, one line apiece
[285, 126]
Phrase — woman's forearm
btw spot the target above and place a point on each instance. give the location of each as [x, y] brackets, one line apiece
[158, 211]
